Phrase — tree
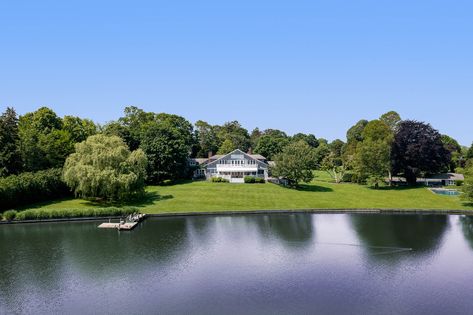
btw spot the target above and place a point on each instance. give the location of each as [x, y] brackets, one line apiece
[334, 166]
[467, 187]
[272, 142]
[418, 149]
[79, 129]
[321, 152]
[234, 132]
[10, 157]
[310, 139]
[38, 133]
[355, 133]
[296, 163]
[456, 153]
[255, 136]
[391, 119]
[103, 167]
[373, 154]
[167, 142]
[226, 147]
[469, 154]
[207, 139]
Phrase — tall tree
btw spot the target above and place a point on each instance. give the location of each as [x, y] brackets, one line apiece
[391, 119]
[42, 143]
[310, 139]
[234, 132]
[296, 163]
[10, 157]
[455, 149]
[79, 129]
[208, 141]
[272, 142]
[418, 149]
[167, 142]
[373, 154]
[103, 167]
[226, 147]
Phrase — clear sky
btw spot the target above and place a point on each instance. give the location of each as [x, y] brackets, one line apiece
[310, 66]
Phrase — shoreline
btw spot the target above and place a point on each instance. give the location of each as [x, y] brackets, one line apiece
[258, 212]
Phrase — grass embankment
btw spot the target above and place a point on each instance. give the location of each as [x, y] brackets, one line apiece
[320, 194]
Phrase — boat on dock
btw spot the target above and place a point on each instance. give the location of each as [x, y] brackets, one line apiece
[127, 224]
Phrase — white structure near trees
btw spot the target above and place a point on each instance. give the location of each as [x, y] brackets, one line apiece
[234, 166]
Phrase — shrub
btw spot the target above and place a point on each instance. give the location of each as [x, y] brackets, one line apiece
[459, 183]
[219, 180]
[9, 215]
[26, 188]
[376, 181]
[42, 214]
[260, 180]
[249, 180]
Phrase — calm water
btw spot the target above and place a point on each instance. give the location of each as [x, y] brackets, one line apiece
[255, 264]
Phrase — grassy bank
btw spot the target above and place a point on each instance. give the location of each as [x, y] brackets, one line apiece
[320, 194]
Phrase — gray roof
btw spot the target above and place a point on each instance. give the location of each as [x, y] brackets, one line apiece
[447, 176]
[257, 156]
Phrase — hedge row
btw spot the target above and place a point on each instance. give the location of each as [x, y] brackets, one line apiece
[27, 188]
[43, 214]
[254, 180]
[219, 180]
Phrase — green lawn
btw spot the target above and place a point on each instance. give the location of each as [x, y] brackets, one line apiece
[321, 193]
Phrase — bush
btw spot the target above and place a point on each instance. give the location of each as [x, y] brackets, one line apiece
[459, 183]
[9, 215]
[43, 214]
[219, 180]
[250, 180]
[376, 181]
[260, 180]
[26, 188]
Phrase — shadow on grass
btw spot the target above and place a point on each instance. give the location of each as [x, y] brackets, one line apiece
[149, 198]
[305, 187]
[314, 188]
[399, 188]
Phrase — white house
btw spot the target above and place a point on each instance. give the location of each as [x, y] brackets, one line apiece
[233, 166]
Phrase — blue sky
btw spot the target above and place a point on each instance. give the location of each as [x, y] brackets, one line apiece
[310, 66]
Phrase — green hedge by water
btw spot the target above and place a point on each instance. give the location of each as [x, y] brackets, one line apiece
[27, 188]
[43, 214]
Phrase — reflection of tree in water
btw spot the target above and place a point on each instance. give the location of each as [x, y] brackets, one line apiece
[152, 244]
[422, 233]
[28, 256]
[467, 227]
[294, 230]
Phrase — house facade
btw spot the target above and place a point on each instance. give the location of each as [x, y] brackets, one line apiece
[234, 166]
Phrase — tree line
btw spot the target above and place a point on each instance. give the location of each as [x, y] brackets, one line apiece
[149, 148]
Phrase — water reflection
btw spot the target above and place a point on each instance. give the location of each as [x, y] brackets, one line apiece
[467, 228]
[421, 233]
[293, 231]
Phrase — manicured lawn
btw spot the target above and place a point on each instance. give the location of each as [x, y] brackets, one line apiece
[205, 196]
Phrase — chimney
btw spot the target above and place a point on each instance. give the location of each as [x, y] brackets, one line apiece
[250, 151]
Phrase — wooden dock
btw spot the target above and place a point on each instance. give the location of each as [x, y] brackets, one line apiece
[127, 225]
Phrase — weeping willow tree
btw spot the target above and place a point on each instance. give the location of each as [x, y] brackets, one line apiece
[103, 167]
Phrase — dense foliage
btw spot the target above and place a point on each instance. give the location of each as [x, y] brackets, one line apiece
[44, 214]
[10, 157]
[418, 149]
[27, 188]
[103, 167]
[296, 163]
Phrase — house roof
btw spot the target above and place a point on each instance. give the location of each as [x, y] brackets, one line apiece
[257, 157]
[447, 176]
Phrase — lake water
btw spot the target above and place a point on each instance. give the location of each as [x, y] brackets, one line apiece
[253, 264]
